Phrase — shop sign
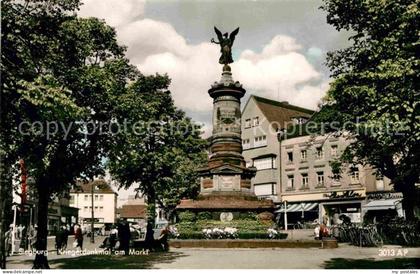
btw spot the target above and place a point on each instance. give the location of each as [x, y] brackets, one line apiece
[384, 195]
[344, 195]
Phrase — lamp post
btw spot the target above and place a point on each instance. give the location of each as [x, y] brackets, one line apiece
[92, 230]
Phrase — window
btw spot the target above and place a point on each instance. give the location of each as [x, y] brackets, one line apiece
[246, 144]
[290, 181]
[320, 178]
[303, 155]
[265, 189]
[85, 209]
[101, 197]
[305, 180]
[354, 175]
[96, 197]
[290, 157]
[334, 150]
[86, 198]
[71, 199]
[380, 183]
[247, 123]
[260, 141]
[96, 208]
[319, 152]
[256, 121]
[264, 163]
[101, 209]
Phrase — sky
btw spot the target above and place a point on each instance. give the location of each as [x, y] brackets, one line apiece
[279, 52]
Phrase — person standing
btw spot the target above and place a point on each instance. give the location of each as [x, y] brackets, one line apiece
[59, 235]
[78, 236]
[124, 236]
[8, 240]
[33, 232]
[113, 236]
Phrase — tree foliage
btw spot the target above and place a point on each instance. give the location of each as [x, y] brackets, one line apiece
[161, 149]
[375, 94]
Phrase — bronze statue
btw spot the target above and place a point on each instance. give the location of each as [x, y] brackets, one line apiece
[225, 43]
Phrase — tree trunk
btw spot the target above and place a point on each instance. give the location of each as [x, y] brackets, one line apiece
[5, 208]
[41, 260]
[409, 200]
[151, 214]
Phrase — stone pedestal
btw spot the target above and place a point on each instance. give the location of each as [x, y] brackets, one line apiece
[225, 182]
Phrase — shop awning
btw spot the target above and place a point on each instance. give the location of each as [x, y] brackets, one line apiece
[298, 207]
[381, 204]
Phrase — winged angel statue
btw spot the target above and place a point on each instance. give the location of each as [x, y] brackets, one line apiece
[225, 43]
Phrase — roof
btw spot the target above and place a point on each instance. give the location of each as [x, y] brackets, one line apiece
[100, 186]
[280, 112]
[133, 211]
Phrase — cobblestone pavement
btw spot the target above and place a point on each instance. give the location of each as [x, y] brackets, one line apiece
[343, 257]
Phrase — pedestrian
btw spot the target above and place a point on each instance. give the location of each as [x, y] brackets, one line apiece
[65, 237]
[124, 236]
[33, 233]
[113, 236]
[8, 240]
[78, 236]
[23, 238]
[59, 237]
[163, 238]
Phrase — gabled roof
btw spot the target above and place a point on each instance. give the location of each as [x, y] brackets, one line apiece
[280, 112]
[100, 186]
[133, 211]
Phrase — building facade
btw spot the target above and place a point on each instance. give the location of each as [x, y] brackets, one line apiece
[313, 188]
[99, 196]
[262, 119]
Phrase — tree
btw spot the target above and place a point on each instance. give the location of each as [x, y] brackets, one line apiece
[375, 95]
[60, 75]
[160, 155]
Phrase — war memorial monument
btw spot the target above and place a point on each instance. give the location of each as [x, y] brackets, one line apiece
[225, 182]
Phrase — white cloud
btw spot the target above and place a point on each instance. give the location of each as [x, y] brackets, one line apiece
[279, 71]
[115, 12]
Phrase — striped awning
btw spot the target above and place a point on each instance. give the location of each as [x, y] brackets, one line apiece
[382, 204]
[298, 207]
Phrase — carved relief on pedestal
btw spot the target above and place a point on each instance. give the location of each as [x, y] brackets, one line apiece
[227, 182]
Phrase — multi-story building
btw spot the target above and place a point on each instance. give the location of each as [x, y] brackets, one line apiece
[98, 195]
[262, 119]
[314, 188]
